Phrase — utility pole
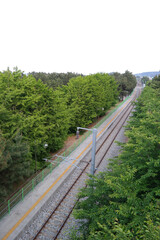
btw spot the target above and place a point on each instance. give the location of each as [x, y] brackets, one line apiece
[94, 130]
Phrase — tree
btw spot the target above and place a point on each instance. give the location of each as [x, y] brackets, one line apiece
[89, 97]
[31, 114]
[123, 203]
[15, 161]
[122, 84]
[144, 79]
[54, 80]
[126, 83]
[4, 156]
[155, 82]
[38, 112]
[131, 81]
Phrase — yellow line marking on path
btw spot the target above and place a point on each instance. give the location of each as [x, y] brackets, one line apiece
[35, 204]
[48, 190]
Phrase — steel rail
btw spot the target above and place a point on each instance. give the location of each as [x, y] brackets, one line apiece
[70, 212]
[83, 171]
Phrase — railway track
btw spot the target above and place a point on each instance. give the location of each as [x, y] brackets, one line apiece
[57, 218]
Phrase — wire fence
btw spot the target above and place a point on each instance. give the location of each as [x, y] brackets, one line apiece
[6, 206]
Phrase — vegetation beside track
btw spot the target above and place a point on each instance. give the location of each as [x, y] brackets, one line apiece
[124, 203]
[33, 113]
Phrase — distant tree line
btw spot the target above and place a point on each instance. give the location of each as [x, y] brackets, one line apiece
[144, 80]
[34, 112]
[124, 202]
[155, 83]
[126, 83]
[148, 74]
[54, 79]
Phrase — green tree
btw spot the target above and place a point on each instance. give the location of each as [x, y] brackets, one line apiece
[144, 79]
[38, 112]
[131, 81]
[4, 156]
[89, 97]
[122, 84]
[123, 203]
[31, 114]
[54, 79]
[15, 160]
[126, 83]
[155, 83]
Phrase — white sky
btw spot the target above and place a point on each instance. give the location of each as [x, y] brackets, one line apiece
[83, 36]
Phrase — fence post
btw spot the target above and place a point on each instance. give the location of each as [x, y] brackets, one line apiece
[32, 183]
[50, 168]
[79, 141]
[22, 194]
[67, 153]
[42, 175]
[9, 209]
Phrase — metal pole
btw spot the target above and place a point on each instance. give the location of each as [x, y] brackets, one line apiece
[93, 151]
[94, 130]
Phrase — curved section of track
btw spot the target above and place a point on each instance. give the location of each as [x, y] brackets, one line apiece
[55, 222]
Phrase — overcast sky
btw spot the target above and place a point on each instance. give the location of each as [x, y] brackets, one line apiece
[83, 36]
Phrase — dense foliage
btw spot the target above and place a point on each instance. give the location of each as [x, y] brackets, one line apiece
[33, 113]
[15, 163]
[144, 80]
[124, 203]
[54, 79]
[155, 83]
[39, 113]
[89, 97]
[126, 82]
